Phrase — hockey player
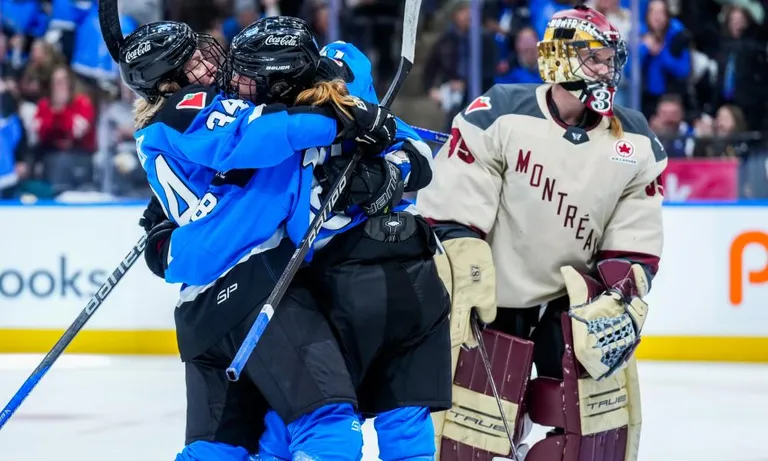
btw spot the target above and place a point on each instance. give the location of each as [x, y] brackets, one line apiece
[376, 280]
[384, 355]
[186, 133]
[547, 199]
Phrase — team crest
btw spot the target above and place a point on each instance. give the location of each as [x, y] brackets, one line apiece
[624, 152]
[481, 103]
[194, 101]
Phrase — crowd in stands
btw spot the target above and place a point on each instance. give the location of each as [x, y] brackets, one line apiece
[66, 119]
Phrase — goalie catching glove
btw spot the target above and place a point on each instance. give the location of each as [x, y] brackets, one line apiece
[606, 317]
[466, 268]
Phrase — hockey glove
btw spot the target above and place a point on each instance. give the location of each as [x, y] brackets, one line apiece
[153, 215]
[607, 316]
[414, 160]
[371, 125]
[467, 270]
[329, 69]
[158, 245]
[375, 185]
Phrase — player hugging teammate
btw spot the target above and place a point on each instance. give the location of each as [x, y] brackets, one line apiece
[547, 199]
[236, 175]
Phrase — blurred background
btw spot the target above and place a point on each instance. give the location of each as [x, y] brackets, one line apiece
[697, 70]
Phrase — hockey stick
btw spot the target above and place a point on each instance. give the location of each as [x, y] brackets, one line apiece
[484, 356]
[431, 136]
[410, 23]
[104, 290]
[109, 21]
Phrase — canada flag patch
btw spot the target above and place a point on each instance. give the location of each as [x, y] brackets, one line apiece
[194, 101]
[481, 103]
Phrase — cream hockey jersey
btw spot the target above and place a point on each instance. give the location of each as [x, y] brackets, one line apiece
[545, 196]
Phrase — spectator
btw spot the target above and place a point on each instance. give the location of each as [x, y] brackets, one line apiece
[125, 177]
[618, 16]
[669, 125]
[743, 68]
[36, 76]
[664, 56]
[66, 132]
[13, 145]
[525, 68]
[448, 64]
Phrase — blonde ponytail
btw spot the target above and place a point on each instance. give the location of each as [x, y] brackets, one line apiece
[143, 110]
[617, 130]
[334, 92]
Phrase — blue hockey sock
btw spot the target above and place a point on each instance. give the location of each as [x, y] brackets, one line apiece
[212, 451]
[274, 444]
[406, 434]
[330, 433]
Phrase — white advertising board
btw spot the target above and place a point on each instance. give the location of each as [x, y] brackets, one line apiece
[54, 258]
[712, 285]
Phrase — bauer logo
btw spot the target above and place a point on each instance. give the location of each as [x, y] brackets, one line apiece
[744, 271]
[60, 278]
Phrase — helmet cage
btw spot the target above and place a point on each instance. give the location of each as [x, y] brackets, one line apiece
[570, 51]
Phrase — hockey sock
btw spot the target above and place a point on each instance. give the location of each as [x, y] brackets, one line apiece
[330, 433]
[274, 444]
[212, 451]
[406, 434]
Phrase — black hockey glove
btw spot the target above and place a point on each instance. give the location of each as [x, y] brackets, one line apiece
[152, 215]
[158, 244]
[329, 69]
[371, 125]
[376, 185]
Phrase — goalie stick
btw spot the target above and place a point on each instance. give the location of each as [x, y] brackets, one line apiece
[475, 321]
[109, 21]
[410, 23]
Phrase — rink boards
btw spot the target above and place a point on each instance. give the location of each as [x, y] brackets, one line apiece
[708, 301]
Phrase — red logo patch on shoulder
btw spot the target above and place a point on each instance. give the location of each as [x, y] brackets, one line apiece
[481, 103]
[194, 101]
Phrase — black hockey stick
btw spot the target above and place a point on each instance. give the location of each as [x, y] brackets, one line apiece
[109, 21]
[410, 23]
[104, 290]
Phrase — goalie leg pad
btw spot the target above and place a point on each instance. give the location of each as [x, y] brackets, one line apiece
[473, 428]
[595, 420]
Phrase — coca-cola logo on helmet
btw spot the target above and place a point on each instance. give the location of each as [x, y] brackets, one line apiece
[282, 40]
[140, 50]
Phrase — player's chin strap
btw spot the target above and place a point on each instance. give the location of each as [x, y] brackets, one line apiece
[487, 363]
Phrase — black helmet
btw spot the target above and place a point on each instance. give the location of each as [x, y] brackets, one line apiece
[278, 55]
[156, 52]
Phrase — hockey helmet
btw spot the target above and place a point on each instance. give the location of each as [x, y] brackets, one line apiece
[168, 51]
[273, 59]
[584, 52]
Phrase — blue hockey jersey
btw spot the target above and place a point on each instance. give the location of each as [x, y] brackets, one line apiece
[279, 200]
[198, 133]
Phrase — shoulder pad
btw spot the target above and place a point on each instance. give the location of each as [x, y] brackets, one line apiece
[182, 107]
[503, 99]
[635, 122]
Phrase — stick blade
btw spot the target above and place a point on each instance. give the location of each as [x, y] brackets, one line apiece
[410, 25]
[109, 21]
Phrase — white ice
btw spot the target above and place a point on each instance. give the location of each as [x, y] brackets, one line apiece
[119, 408]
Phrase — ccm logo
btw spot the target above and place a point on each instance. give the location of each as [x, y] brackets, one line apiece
[225, 294]
[736, 270]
